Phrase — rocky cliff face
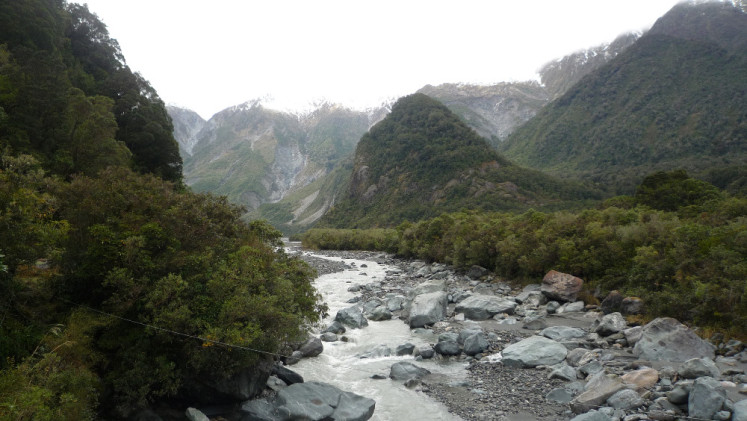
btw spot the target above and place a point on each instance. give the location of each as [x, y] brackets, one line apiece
[187, 124]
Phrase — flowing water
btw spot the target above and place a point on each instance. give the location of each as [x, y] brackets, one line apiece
[342, 366]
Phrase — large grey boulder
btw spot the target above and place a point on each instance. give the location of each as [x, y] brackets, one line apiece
[447, 347]
[320, 401]
[428, 287]
[403, 371]
[312, 347]
[698, 367]
[740, 411]
[625, 399]
[427, 309]
[287, 375]
[599, 388]
[666, 339]
[259, 410]
[706, 398]
[563, 333]
[610, 324]
[475, 344]
[483, 307]
[561, 286]
[352, 317]
[380, 313]
[534, 351]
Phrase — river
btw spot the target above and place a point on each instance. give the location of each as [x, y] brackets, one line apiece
[342, 366]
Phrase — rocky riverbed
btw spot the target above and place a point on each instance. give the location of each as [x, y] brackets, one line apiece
[536, 352]
[598, 347]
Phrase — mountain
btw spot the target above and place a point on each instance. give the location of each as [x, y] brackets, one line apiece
[495, 111]
[187, 124]
[258, 157]
[674, 99]
[422, 160]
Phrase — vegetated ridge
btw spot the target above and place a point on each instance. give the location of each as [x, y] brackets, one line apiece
[422, 160]
[674, 99]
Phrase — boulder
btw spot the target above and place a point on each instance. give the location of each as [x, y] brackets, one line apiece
[428, 287]
[261, 410]
[563, 371]
[535, 323]
[425, 351]
[561, 286]
[610, 324]
[643, 378]
[328, 337]
[559, 395]
[475, 344]
[666, 339]
[321, 401]
[404, 349]
[599, 388]
[467, 332]
[483, 307]
[625, 399]
[563, 333]
[403, 371]
[395, 303]
[632, 334]
[380, 313]
[706, 398]
[698, 367]
[740, 411]
[534, 351]
[611, 302]
[287, 375]
[196, 415]
[574, 307]
[311, 348]
[336, 328]
[427, 309]
[592, 415]
[631, 305]
[477, 272]
[447, 348]
[352, 317]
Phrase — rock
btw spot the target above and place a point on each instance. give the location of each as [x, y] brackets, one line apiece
[534, 351]
[625, 399]
[561, 286]
[698, 367]
[294, 358]
[196, 415]
[631, 305]
[483, 307]
[706, 398]
[320, 401]
[592, 415]
[552, 307]
[740, 411]
[535, 323]
[611, 302]
[563, 371]
[680, 393]
[610, 324]
[380, 313]
[632, 335]
[447, 348]
[425, 351]
[403, 371]
[467, 332]
[405, 349]
[427, 309]
[274, 383]
[287, 375]
[428, 287]
[669, 340]
[352, 317]
[599, 389]
[477, 272]
[328, 337]
[575, 355]
[590, 368]
[643, 378]
[475, 344]
[354, 288]
[563, 333]
[559, 395]
[574, 307]
[336, 328]
[395, 303]
[261, 410]
[370, 305]
[664, 410]
[311, 348]
[377, 352]
[246, 384]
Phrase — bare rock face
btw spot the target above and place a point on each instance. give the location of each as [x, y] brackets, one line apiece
[666, 339]
[561, 286]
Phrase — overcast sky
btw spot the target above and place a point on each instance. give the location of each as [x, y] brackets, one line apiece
[208, 55]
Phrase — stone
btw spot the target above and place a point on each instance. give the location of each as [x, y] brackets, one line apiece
[563, 333]
[483, 307]
[425, 351]
[535, 323]
[643, 378]
[631, 305]
[625, 399]
[336, 328]
[352, 317]
[563, 371]
[632, 335]
[475, 344]
[311, 348]
[447, 348]
[286, 375]
[378, 351]
[395, 303]
[611, 302]
[574, 356]
[592, 415]
[427, 309]
[428, 287]
[328, 337]
[666, 339]
[559, 395]
[610, 324]
[320, 401]
[194, 414]
[380, 313]
[404, 349]
[574, 307]
[740, 411]
[598, 390]
[706, 398]
[552, 307]
[260, 409]
[274, 383]
[590, 368]
[352, 407]
[698, 367]
[561, 286]
[294, 358]
[664, 410]
[467, 332]
[477, 272]
[403, 371]
[680, 393]
[534, 351]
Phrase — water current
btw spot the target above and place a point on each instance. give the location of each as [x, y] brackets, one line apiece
[342, 366]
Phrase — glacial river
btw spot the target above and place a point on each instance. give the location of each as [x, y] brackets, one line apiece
[342, 366]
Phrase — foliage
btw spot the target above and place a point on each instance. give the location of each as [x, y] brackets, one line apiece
[351, 239]
[673, 190]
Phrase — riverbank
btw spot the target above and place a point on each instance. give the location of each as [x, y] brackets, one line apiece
[553, 390]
